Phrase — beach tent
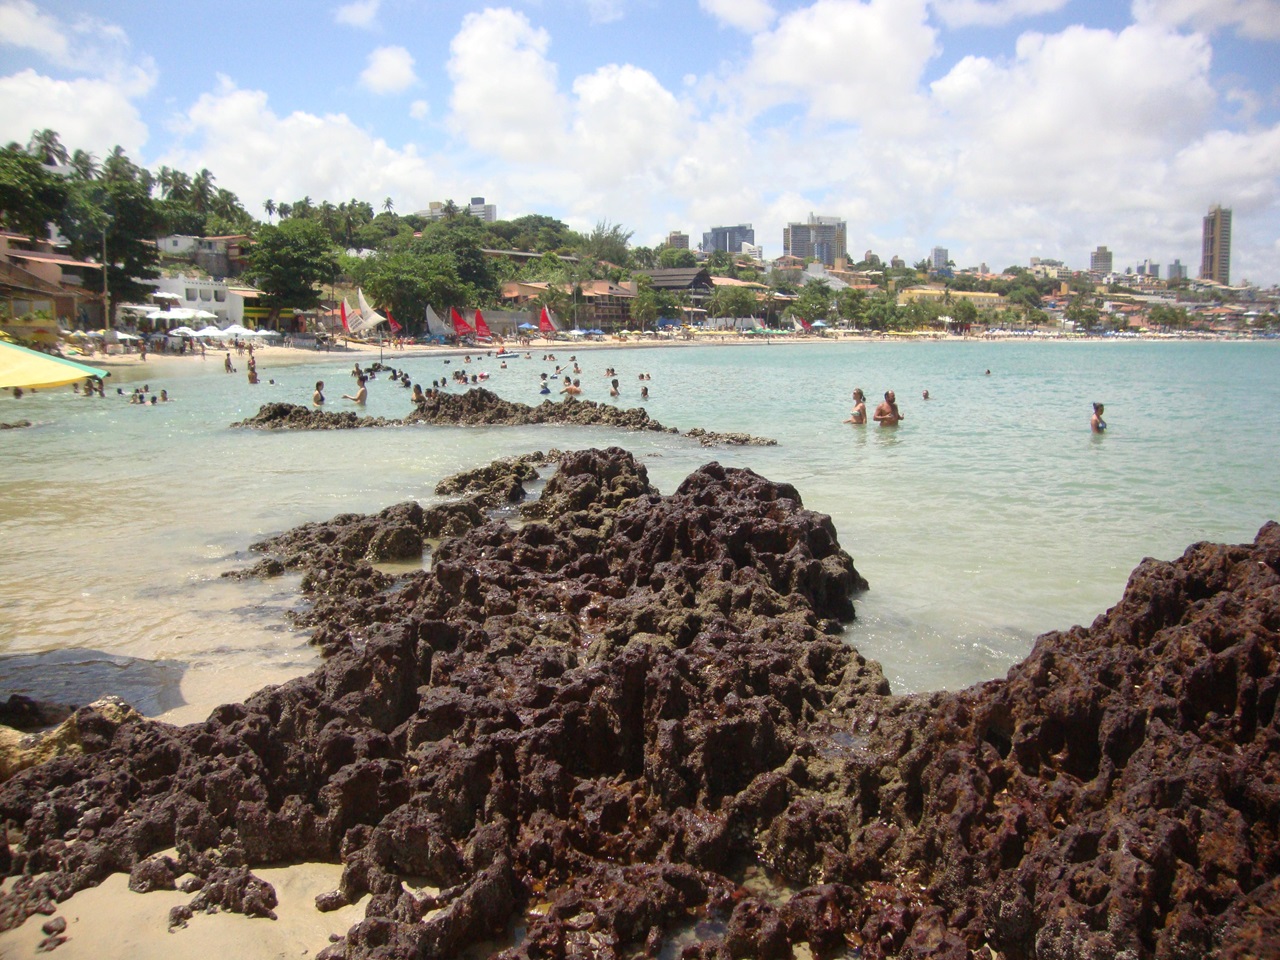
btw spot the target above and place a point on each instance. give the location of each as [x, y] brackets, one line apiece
[210, 331]
[527, 326]
[20, 367]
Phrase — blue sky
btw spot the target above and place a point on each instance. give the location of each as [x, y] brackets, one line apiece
[1000, 129]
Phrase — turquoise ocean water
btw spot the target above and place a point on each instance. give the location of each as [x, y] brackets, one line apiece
[991, 515]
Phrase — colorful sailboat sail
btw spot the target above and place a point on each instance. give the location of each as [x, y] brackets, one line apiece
[460, 326]
[482, 328]
[546, 322]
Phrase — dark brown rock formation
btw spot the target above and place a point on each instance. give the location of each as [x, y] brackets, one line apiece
[479, 406]
[591, 726]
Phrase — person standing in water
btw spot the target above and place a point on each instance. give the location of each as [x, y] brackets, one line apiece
[1096, 423]
[317, 398]
[887, 414]
[858, 416]
[361, 394]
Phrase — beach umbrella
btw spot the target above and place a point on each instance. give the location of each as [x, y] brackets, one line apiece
[577, 333]
[20, 367]
[209, 331]
[162, 295]
[527, 326]
[596, 333]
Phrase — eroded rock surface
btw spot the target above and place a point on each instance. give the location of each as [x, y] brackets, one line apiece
[590, 727]
[479, 406]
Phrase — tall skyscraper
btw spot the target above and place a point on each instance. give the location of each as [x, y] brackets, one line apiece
[678, 240]
[1215, 256]
[1100, 261]
[822, 238]
[1177, 271]
[729, 239]
[938, 258]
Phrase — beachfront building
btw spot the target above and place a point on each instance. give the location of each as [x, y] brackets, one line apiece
[938, 292]
[821, 238]
[677, 240]
[1101, 261]
[592, 305]
[1215, 256]
[36, 278]
[226, 303]
[729, 239]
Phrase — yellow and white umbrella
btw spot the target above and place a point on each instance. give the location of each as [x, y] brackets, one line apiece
[20, 367]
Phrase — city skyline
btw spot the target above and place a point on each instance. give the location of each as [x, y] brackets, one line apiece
[1000, 129]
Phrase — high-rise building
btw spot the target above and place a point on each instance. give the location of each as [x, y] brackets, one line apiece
[677, 240]
[1215, 255]
[1100, 261]
[436, 210]
[729, 239]
[938, 258]
[1177, 271]
[822, 238]
[1148, 269]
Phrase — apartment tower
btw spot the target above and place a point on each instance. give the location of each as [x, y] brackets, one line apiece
[1215, 256]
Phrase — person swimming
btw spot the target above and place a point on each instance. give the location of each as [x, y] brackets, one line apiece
[1096, 423]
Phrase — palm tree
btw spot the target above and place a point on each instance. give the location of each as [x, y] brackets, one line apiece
[85, 165]
[285, 210]
[202, 191]
[303, 207]
[226, 204]
[46, 145]
[387, 205]
[269, 206]
[450, 210]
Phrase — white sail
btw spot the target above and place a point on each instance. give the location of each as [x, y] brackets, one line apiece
[435, 326]
[369, 317]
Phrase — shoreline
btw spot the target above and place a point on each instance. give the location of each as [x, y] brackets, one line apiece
[297, 356]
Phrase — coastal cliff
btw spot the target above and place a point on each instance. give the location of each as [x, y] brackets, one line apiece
[578, 736]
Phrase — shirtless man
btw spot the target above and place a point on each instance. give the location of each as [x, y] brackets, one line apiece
[887, 414]
[361, 394]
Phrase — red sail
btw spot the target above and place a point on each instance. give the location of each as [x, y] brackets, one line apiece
[482, 328]
[460, 326]
[544, 323]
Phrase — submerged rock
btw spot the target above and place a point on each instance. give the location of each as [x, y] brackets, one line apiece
[479, 406]
[590, 725]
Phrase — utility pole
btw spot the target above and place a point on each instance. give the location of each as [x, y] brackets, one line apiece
[106, 296]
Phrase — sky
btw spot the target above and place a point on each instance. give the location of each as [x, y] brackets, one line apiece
[998, 129]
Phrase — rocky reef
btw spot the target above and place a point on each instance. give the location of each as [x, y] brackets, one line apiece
[479, 406]
[579, 736]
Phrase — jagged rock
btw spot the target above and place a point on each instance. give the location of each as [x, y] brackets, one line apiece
[479, 406]
[88, 730]
[15, 425]
[587, 725]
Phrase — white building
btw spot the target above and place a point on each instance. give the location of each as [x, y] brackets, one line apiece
[226, 301]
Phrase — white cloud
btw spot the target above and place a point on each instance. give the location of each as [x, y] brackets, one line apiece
[23, 25]
[605, 11]
[359, 13]
[751, 16]
[258, 153]
[846, 60]
[87, 46]
[389, 70]
[516, 112]
[1255, 19]
[88, 114]
[419, 109]
[992, 13]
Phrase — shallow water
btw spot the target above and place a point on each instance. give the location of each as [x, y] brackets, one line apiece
[989, 516]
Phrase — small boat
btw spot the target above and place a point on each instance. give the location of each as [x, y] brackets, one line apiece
[506, 355]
